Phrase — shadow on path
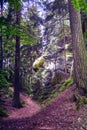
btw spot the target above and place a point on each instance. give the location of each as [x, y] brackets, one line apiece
[61, 114]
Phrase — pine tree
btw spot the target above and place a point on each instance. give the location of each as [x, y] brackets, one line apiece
[79, 51]
[16, 98]
[1, 37]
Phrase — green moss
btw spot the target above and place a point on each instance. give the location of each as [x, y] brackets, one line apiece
[48, 95]
[56, 79]
[68, 53]
[55, 92]
[38, 63]
[66, 84]
[80, 102]
[45, 95]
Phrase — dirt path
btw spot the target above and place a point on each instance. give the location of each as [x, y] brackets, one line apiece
[59, 115]
[30, 108]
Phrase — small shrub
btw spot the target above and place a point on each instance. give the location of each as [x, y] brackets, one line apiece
[4, 82]
[3, 112]
[10, 93]
[80, 102]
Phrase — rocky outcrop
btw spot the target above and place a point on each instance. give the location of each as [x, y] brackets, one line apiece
[38, 63]
[56, 52]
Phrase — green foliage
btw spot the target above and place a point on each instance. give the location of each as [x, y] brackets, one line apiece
[15, 4]
[7, 29]
[47, 95]
[80, 5]
[42, 94]
[85, 38]
[13, 31]
[3, 22]
[26, 38]
[76, 4]
[10, 93]
[80, 102]
[85, 33]
[4, 82]
[3, 112]
[83, 5]
[66, 84]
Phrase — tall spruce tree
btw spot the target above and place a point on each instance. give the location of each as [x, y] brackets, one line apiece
[79, 51]
[1, 36]
[16, 98]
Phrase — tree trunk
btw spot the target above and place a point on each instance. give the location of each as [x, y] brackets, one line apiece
[16, 98]
[1, 51]
[79, 51]
[1, 39]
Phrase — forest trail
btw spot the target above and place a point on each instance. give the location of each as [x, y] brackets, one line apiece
[61, 114]
[29, 108]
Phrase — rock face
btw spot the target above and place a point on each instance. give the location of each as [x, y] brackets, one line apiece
[50, 70]
[53, 77]
[56, 51]
[44, 80]
[58, 58]
[53, 71]
[57, 43]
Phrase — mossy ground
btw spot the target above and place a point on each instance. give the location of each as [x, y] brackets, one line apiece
[48, 95]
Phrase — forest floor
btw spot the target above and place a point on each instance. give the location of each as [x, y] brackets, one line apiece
[61, 114]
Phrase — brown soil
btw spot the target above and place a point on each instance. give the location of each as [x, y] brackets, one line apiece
[61, 114]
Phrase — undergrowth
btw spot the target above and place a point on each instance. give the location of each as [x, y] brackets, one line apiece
[3, 112]
[47, 99]
[68, 82]
[4, 85]
[81, 101]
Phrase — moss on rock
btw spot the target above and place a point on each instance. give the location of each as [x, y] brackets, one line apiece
[38, 63]
[67, 83]
[57, 78]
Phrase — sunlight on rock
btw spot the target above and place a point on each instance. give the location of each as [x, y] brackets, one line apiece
[38, 62]
[50, 66]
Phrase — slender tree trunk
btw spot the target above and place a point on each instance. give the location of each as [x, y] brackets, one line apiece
[65, 63]
[16, 99]
[1, 51]
[1, 39]
[79, 51]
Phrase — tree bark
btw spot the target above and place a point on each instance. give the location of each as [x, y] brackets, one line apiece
[1, 39]
[79, 51]
[1, 51]
[16, 98]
